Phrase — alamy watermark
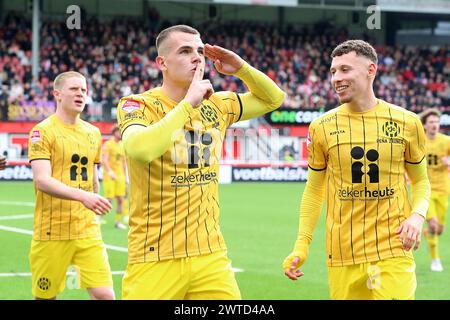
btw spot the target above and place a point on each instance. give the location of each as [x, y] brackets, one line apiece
[74, 20]
[374, 20]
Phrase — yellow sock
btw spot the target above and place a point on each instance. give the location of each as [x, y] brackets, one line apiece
[118, 216]
[125, 207]
[433, 241]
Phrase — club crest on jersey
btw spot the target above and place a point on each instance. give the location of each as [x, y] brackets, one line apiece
[35, 136]
[391, 129]
[208, 113]
[131, 106]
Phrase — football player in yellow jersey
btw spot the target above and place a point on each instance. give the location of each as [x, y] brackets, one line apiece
[2, 162]
[359, 153]
[114, 179]
[173, 138]
[438, 149]
[64, 151]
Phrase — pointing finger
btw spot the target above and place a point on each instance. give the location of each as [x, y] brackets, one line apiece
[198, 75]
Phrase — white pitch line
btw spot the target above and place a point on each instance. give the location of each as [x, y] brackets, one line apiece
[17, 217]
[17, 203]
[16, 230]
[116, 248]
[28, 274]
[108, 246]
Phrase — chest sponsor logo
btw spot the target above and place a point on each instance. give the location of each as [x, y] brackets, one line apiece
[365, 170]
[78, 167]
[198, 178]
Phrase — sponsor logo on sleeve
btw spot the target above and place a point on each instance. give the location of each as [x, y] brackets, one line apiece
[35, 136]
[131, 106]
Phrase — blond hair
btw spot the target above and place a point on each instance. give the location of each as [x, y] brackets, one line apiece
[58, 83]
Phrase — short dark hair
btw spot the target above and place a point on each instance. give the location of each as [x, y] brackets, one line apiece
[429, 112]
[164, 34]
[114, 129]
[360, 47]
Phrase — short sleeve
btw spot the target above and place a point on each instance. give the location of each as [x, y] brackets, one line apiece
[415, 141]
[39, 144]
[317, 159]
[133, 111]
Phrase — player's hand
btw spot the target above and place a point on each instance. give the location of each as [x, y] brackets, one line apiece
[96, 203]
[2, 162]
[433, 225]
[291, 267]
[444, 161]
[225, 61]
[199, 89]
[410, 231]
[112, 175]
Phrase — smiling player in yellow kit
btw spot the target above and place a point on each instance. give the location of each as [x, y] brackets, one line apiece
[359, 153]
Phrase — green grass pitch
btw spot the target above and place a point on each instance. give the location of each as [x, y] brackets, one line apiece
[259, 222]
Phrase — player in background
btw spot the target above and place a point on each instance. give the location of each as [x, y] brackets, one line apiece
[357, 157]
[437, 152]
[173, 138]
[64, 152]
[114, 175]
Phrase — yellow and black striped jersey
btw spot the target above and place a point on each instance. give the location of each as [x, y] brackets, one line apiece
[73, 151]
[174, 199]
[366, 195]
[438, 148]
[116, 156]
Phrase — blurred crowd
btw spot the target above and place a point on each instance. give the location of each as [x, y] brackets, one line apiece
[118, 58]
